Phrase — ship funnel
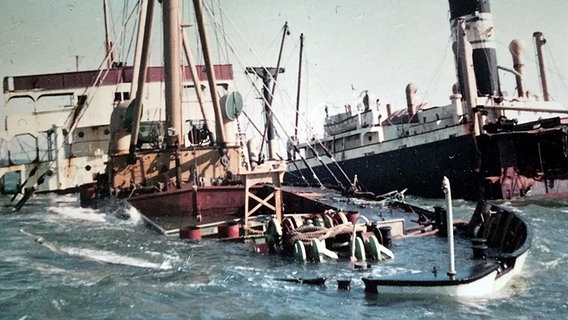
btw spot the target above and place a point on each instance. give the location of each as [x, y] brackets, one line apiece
[411, 103]
[517, 48]
[481, 35]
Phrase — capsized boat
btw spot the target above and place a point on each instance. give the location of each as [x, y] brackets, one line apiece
[490, 144]
[404, 249]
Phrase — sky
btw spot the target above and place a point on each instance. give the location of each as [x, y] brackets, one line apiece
[349, 46]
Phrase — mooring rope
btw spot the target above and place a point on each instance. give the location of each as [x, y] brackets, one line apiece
[252, 230]
[307, 233]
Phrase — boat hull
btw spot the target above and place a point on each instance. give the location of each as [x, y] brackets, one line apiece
[500, 239]
[484, 284]
[419, 169]
[499, 165]
[183, 208]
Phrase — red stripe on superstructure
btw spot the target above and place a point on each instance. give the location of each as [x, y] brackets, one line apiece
[83, 79]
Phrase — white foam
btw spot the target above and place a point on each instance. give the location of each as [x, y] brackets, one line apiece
[77, 213]
[114, 258]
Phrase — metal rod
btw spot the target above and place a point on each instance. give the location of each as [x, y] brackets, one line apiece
[221, 139]
[108, 43]
[354, 235]
[450, 226]
[139, 43]
[269, 129]
[299, 85]
[195, 77]
[142, 77]
[540, 41]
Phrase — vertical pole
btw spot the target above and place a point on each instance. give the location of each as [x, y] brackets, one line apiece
[299, 86]
[540, 41]
[60, 150]
[285, 32]
[141, 79]
[450, 226]
[221, 139]
[172, 66]
[108, 43]
[194, 76]
[139, 43]
[270, 98]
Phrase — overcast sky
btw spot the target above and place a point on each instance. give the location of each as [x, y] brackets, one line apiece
[350, 46]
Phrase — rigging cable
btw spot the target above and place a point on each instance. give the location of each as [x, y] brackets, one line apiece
[233, 49]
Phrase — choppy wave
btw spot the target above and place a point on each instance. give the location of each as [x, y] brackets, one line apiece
[147, 275]
[103, 256]
[114, 258]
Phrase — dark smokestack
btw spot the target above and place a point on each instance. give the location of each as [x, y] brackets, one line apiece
[480, 33]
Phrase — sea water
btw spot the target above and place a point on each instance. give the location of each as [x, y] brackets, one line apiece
[60, 261]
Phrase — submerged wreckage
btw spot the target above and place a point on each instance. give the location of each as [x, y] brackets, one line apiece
[214, 186]
[206, 181]
[482, 254]
[490, 144]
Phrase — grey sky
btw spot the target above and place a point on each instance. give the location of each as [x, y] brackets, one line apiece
[377, 45]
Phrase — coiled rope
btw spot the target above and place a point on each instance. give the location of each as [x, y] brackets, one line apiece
[307, 233]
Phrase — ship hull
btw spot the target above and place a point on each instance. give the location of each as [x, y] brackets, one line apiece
[502, 165]
[418, 169]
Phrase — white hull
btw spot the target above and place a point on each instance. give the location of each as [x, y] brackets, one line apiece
[42, 108]
[483, 287]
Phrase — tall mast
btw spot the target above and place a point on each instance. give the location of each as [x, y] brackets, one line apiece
[108, 43]
[267, 74]
[540, 41]
[172, 66]
[268, 110]
[299, 85]
[220, 129]
[139, 42]
[141, 77]
[285, 32]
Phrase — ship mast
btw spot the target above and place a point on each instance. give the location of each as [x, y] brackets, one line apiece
[141, 78]
[299, 86]
[139, 43]
[172, 70]
[267, 74]
[108, 43]
[220, 129]
[540, 41]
